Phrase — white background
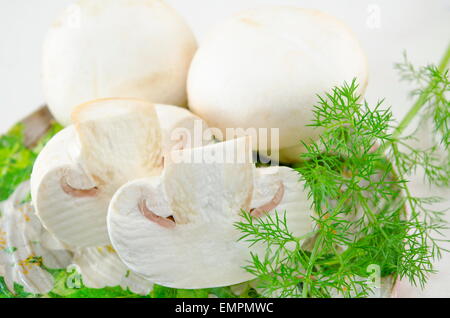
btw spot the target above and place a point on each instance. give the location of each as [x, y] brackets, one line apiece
[385, 28]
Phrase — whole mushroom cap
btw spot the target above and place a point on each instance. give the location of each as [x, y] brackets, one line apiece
[101, 49]
[263, 68]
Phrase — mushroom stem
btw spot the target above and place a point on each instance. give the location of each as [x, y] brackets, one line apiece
[77, 193]
[168, 222]
[269, 206]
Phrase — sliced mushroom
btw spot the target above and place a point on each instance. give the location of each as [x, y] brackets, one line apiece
[112, 142]
[205, 198]
[270, 205]
[180, 128]
[168, 222]
[278, 189]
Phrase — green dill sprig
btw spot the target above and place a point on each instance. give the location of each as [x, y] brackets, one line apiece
[283, 280]
[431, 93]
[365, 214]
[432, 106]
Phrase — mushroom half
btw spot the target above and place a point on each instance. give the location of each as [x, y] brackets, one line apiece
[179, 230]
[181, 129]
[111, 142]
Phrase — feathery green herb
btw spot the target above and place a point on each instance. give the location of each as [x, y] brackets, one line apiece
[365, 217]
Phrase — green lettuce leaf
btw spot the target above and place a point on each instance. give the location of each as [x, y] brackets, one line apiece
[61, 290]
[16, 160]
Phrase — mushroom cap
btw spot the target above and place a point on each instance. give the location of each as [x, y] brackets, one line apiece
[100, 49]
[263, 68]
[179, 230]
[112, 142]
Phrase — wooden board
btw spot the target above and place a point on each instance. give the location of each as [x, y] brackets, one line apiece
[36, 125]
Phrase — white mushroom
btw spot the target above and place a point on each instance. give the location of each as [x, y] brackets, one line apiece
[281, 185]
[179, 230]
[112, 142]
[100, 49]
[180, 129]
[264, 68]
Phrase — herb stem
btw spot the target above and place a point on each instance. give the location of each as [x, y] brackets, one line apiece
[421, 101]
[312, 259]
